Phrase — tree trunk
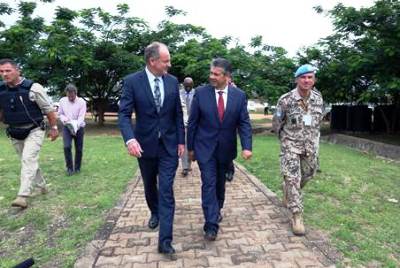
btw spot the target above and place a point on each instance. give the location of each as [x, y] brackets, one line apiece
[385, 119]
[101, 107]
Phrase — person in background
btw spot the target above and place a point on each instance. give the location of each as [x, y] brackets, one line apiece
[22, 106]
[72, 111]
[230, 172]
[186, 94]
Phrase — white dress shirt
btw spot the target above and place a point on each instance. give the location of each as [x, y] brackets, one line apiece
[224, 95]
[152, 83]
[151, 78]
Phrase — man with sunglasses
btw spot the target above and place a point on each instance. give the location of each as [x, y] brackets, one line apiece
[22, 105]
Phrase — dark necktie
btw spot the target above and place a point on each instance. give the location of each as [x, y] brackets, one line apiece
[157, 94]
[221, 108]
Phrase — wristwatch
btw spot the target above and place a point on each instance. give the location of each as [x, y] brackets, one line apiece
[54, 127]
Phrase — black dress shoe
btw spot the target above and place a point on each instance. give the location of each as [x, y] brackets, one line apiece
[219, 217]
[153, 222]
[230, 172]
[210, 235]
[70, 172]
[166, 248]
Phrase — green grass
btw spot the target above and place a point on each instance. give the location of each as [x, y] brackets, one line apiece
[261, 121]
[348, 200]
[56, 226]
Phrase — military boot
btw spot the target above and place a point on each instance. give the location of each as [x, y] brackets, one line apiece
[297, 224]
[20, 201]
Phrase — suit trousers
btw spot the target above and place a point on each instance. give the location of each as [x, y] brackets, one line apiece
[212, 190]
[28, 151]
[78, 141]
[186, 162]
[160, 200]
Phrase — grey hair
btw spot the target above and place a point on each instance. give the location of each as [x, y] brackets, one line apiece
[224, 64]
[153, 51]
[71, 88]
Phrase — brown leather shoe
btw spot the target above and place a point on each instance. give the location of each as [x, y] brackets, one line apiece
[20, 201]
[297, 224]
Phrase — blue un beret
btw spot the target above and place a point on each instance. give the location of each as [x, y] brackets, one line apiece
[303, 69]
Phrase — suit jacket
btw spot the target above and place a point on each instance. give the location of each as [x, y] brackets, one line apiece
[186, 100]
[206, 133]
[150, 126]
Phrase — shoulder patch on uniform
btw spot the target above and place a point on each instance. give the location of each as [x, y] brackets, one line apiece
[317, 92]
[278, 112]
[284, 96]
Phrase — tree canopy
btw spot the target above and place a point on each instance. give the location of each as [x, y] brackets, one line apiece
[95, 49]
[360, 62]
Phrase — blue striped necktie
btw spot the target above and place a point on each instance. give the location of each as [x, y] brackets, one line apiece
[157, 94]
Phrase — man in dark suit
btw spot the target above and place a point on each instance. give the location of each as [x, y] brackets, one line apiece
[218, 112]
[158, 138]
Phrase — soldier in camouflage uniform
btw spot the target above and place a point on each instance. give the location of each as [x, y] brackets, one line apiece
[297, 121]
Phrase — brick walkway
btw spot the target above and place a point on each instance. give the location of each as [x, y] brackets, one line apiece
[254, 232]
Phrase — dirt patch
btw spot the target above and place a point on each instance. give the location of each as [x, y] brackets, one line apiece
[58, 224]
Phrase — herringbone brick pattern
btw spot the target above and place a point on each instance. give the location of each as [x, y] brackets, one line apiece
[254, 232]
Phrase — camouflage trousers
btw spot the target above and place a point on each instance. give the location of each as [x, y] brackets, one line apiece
[297, 170]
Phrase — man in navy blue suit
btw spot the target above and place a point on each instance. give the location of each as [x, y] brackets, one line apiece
[218, 113]
[158, 138]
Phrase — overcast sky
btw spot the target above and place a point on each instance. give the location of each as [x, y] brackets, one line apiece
[290, 24]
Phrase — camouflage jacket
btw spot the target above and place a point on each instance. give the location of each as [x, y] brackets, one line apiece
[297, 121]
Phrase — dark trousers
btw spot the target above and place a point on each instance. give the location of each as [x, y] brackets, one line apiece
[160, 200]
[212, 190]
[78, 141]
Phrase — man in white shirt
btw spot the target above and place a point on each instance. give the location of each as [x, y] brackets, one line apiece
[72, 111]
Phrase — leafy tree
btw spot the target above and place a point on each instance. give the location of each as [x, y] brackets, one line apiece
[19, 41]
[267, 73]
[95, 49]
[360, 62]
